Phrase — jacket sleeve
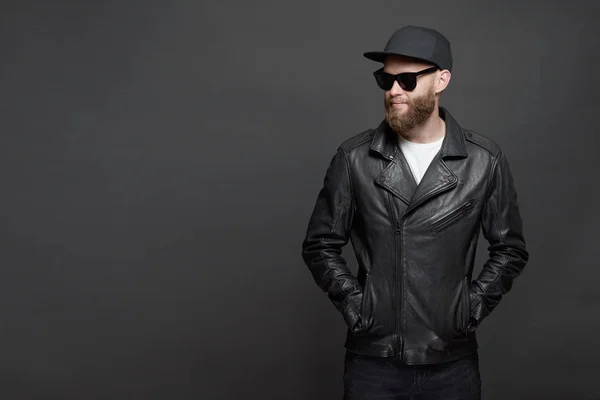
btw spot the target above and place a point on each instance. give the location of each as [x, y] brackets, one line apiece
[328, 231]
[502, 227]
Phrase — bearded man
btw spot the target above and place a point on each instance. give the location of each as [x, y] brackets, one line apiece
[413, 195]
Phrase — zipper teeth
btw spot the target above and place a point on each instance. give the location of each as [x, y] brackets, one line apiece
[396, 303]
[466, 308]
[402, 341]
[452, 216]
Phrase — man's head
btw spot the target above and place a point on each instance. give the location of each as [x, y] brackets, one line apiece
[416, 87]
[417, 64]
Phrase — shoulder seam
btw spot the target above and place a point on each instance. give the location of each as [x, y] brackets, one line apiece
[367, 138]
[467, 138]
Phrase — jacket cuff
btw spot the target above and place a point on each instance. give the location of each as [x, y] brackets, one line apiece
[477, 311]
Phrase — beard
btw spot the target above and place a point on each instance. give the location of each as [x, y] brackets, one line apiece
[419, 109]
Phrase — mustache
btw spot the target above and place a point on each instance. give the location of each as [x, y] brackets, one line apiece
[397, 99]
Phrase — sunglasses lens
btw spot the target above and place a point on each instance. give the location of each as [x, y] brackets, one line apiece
[384, 80]
[408, 81]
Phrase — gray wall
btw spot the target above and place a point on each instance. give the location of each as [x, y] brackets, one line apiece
[160, 159]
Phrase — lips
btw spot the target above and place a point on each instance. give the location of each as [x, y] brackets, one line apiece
[398, 102]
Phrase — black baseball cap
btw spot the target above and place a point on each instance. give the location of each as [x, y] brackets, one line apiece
[417, 42]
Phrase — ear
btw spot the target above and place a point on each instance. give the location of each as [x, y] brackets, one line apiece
[442, 80]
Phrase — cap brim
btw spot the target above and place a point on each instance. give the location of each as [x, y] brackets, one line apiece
[379, 56]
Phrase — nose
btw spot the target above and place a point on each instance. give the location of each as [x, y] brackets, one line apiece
[396, 90]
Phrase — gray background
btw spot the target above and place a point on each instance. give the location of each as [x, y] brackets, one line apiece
[160, 160]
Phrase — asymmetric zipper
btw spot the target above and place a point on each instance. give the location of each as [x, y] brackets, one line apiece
[399, 262]
[398, 305]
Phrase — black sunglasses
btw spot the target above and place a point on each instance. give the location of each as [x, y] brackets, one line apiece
[406, 80]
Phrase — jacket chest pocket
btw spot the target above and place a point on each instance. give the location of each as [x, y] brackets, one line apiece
[448, 218]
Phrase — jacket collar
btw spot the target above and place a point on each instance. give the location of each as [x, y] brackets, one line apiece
[385, 140]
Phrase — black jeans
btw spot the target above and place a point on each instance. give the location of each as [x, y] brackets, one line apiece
[381, 378]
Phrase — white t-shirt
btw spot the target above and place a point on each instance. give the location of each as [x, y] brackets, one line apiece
[419, 155]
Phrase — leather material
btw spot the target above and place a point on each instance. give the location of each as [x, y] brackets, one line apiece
[414, 296]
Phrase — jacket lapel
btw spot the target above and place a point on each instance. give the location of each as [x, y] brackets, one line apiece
[396, 177]
[437, 179]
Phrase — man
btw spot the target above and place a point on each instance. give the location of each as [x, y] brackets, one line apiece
[412, 196]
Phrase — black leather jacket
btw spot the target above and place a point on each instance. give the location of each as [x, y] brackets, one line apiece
[413, 296]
